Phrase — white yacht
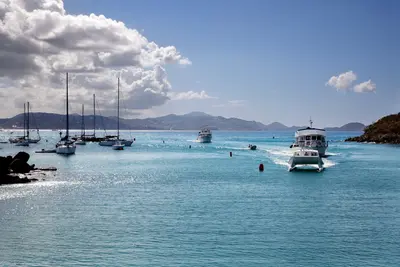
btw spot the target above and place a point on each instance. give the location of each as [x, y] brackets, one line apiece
[311, 138]
[204, 136]
[66, 146]
[306, 157]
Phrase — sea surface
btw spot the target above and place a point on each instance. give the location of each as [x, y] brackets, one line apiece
[165, 204]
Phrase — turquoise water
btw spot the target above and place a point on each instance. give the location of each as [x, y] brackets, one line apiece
[163, 204]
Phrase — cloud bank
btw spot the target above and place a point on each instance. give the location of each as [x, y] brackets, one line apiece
[40, 41]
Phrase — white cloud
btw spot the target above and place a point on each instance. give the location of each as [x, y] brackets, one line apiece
[40, 41]
[343, 81]
[190, 95]
[365, 87]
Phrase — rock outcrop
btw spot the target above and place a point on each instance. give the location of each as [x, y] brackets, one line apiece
[384, 131]
[13, 170]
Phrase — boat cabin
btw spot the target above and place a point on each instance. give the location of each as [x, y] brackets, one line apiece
[310, 137]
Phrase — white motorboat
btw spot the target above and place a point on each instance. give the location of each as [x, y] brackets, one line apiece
[204, 136]
[66, 146]
[311, 138]
[306, 157]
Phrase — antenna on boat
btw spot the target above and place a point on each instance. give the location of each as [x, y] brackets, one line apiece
[311, 122]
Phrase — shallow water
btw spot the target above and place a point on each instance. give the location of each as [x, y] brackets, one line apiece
[163, 204]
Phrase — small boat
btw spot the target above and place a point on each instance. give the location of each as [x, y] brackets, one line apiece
[81, 141]
[306, 157]
[204, 136]
[252, 147]
[66, 146]
[118, 146]
[46, 151]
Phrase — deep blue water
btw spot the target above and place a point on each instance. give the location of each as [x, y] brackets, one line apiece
[163, 204]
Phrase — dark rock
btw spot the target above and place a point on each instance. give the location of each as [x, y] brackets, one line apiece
[23, 156]
[19, 166]
[4, 164]
[32, 167]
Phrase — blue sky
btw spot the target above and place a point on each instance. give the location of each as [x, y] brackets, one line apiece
[270, 60]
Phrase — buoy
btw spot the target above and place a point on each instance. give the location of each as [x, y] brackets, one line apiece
[230, 154]
[134, 139]
[190, 146]
[261, 167]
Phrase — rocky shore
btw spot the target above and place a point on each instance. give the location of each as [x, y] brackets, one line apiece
[15, 170]
[385, 131]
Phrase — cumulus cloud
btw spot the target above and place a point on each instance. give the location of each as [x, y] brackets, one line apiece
[365, 87]
[190, 95]
[343, 81]
[40, 41]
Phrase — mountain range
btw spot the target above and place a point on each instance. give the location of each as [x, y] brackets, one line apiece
[190, 121]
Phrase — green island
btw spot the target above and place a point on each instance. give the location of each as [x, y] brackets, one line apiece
[385, 131]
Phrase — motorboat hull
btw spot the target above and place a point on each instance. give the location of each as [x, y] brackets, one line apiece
[306, 157]
[80, 142]
[66, 149]
[112, 142]
[22, 143]
[204, 139]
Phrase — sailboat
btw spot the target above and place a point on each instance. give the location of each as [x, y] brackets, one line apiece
[114, 140]
[81, 140]
[66, 146]
[118, 144]
[22, 140]
[31, 140]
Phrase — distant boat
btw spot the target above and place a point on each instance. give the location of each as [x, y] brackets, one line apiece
[66, 146]
[111, 140]
[204, 136]
[25, 140]
[252, 147]
[81, 140]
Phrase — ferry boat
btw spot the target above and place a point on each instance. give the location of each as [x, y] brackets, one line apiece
[306, 157]
[311, 138]
[204, 136]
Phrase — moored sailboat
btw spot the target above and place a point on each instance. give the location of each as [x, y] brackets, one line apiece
[66, 146]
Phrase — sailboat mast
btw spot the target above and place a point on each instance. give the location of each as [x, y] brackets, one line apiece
[27, 122]
[24, 119]
[83, 120]
[67, 126]
[118, 112]
[94, 115]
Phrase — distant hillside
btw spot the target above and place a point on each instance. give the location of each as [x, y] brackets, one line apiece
[352, 126]
[190, 121]
[385, 131]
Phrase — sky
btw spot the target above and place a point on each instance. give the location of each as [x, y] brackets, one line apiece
[286, 61]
